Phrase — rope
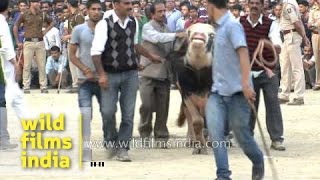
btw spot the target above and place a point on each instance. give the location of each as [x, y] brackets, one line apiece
[262, 63]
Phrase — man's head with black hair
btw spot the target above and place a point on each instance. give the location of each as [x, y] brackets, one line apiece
[59, 14]
[136, 6]
[158, 10]
[193, 12]
[256, 7]
[303, 6]
[4, 5]
[66, 12]
[35, 4]
[58, 4]
[220, 4]
[55, 52]
[83, 9]
[45, 6]
[73, 3]
[231, 3]
[122, 7]
[185, 8]
[236, 10]
[94, 8]
[276, 10]
[136, 3]
[216, 9]
[22, 5]
[143, 3]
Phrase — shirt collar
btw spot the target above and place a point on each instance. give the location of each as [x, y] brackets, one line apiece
[259, 20]
[116, 18]
[224, 18]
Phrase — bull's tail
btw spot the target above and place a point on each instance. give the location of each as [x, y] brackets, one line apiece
[182, 117]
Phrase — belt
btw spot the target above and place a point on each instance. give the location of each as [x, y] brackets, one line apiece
[34, 39]
[315, 32]
[288, 31]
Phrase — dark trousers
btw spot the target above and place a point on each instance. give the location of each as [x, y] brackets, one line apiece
[53, 74]
[155, 96]
[310, 76]
[4, 134]
[274, 121]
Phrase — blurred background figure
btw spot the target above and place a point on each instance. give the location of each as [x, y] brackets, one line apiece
[185, 8]
[309, 67]
[236, 11]
[194, 18]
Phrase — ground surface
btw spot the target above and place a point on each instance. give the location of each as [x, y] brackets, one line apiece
[301, 160]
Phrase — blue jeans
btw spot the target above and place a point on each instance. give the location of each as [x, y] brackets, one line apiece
[4, 134]
[87, 90]
[126, 85]
[236, 110]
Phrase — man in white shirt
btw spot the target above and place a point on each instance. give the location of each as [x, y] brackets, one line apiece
[56, 67]
[154, 78]
[113, 53]
[7, 67]
[52, 38]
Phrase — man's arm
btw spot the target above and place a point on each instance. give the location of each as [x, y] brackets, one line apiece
[76, 61]
[311, 20]
[245, 74]
[238, 40]
[142, 51]
[98, 44]
[300, 29]
[154, 36]
[291, 11]
[15, 30]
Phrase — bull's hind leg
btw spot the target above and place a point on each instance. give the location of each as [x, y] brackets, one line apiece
[197, 123]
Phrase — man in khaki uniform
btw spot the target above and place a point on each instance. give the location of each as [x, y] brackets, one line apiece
[74, 19]
[33, 20]
[291, 64]
[314, 25]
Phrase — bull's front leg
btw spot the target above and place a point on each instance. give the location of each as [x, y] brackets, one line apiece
[198, 124]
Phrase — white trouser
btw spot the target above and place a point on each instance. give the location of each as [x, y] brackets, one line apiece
[14, 94]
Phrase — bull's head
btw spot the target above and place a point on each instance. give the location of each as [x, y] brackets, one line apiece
[200, 40]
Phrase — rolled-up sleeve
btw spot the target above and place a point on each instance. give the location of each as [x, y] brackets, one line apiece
[154, 36]
[237, 36]
[100, 38]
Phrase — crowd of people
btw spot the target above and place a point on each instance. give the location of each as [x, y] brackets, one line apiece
[183, 15]
[96, 48]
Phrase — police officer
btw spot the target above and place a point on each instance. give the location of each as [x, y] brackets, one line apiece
[291, 64]
[314, 25]
[74, 19]
[33, 20]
